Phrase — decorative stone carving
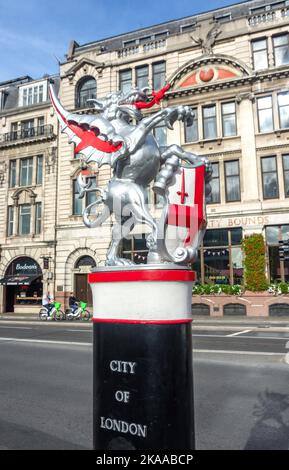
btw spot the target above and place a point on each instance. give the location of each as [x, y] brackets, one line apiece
[208, 42]
[245, 96]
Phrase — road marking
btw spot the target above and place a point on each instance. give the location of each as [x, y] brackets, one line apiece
[239, 333]
[16, 327]
[243, 337]
[247, 353]
[44, 341]
[82, 331]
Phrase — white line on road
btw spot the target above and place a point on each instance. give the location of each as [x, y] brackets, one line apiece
[44, 341]
[239, 333]
[247, 353]
[81, 331]
[210, 351]
[243, 337]
[16, 327]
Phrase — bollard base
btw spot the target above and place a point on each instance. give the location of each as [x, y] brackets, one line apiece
[143, 385]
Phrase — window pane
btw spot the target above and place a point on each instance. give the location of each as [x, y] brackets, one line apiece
[39, 169]
[77, 203]
[216, 266]
[270, 185]
[284, 116]
[237, 264]
[260, 60]
[259, 45]
[281, 55]
[265, 120]
[272, 234]
[159, 75]
[229, 125]
[191, 132]
[236, 236]
[86, 91]
[24, 226]
[142, 76]
[215, 184]
[209, 122]
[268, 164]
[125, 81]
[285, 232]
[232, 181]
[160, 133]
[10, 221]
[280, 40]
[12, 174]
[91, 196]
[38, 218]
[217, 237]
[270, 180]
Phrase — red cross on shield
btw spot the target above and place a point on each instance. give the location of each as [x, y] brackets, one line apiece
[186, 216]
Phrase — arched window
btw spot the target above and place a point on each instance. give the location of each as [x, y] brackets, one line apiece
[86, 90]
[85, 261]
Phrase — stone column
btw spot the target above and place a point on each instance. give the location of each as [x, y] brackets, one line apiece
[248, 144]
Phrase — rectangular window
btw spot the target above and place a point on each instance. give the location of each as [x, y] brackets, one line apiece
[142, 76]
[191, 132]
[38, 217]
[281, 50]
[209, 122]
[232, 179]
[12, 174]
[40, 125]
[265, 114]
[229, 119]
[283, 105]
[24, 219]
[14, 129]
[10, 225]
[26, 170]
[160, 133]
[77, 203]
[269, 178]
[260, 54]
[125, 80]
[39, 169]
[215, 184]
[32, 95]
[91, 196]
[286, 174]
[159, 75]
[27, 128]
[25, 99]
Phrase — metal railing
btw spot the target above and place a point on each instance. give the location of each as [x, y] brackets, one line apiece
[30, 133]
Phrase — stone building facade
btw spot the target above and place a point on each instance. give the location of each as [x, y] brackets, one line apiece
[28, 192]
[231, 66]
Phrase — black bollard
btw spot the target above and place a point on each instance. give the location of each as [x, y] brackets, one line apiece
[142, 356]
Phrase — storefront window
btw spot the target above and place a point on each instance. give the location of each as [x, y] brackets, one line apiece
[220, 258]
[278, 268]
[135, 249]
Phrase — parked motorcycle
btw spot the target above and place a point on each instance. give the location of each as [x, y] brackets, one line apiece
[55, 313]
[80, 313]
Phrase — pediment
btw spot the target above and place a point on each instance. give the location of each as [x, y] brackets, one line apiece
[208, 70]
[83, 63]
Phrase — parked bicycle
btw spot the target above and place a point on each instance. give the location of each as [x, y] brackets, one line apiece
[55, 313]
[80, 313]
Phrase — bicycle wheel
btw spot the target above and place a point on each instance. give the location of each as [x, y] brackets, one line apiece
[85, 315]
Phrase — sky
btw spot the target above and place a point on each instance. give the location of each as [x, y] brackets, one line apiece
[35, 34]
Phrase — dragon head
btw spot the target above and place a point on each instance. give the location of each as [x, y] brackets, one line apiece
[121, 104]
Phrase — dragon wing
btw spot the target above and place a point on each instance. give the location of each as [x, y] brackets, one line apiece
[94, 136]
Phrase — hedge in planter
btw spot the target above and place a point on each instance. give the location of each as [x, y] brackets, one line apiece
[254, 263]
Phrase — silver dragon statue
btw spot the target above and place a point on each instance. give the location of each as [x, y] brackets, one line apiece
[119, 135]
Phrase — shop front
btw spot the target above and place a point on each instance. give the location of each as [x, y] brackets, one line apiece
[23, 286]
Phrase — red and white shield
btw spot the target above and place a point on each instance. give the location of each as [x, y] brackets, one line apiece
[186, 216]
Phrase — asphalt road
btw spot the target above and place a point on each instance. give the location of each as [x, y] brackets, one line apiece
[240, 379]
